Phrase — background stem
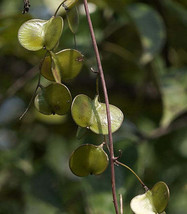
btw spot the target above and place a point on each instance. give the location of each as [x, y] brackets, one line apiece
[100, 69]
[142, 183]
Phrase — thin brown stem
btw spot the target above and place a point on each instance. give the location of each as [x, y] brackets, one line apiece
[142, 183]
[59, 7]
[101, 73]
[121, 203]
[36, 89]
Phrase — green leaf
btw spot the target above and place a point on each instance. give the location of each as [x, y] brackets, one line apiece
[92, 114]
[73, 19]
[150, 27]
[88, 159]
[36, 34]
[54, 99]
[154, 201]
[68, 61]
[173, 89]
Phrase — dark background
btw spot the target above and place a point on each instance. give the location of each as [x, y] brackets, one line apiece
[143, 45]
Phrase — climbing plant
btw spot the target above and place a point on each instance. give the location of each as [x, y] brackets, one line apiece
[88, 113]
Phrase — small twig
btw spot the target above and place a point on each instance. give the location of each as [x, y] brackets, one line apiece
[34, 94]
[101, 73]
[75, 41]
[142, 183]
[121, 203]
[62, 4]
[26, 6]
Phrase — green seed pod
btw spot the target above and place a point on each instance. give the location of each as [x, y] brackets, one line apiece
[73, 19]
[92, 114]
[153, 201]
[54, 99]
[88, 160]
[68, 61]
[36, 34]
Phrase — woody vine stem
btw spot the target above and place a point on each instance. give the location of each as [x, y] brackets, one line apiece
[101, 74]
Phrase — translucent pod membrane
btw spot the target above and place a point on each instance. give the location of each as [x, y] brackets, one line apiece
[36, 34]
[73, 19]
[153, 201]
[92, 114]
[68, 63]
[53, 99]
[87, 160]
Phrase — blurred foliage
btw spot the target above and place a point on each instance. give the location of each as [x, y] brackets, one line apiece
[144, 54]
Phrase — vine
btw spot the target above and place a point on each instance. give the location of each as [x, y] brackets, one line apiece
[100, 118]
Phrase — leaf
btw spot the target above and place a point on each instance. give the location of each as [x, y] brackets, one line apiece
[73, 19]
[69, 62]
[88, 159]
[154, 201]
[173, 89]
[150, 27]
[92, 114]
[36, 34]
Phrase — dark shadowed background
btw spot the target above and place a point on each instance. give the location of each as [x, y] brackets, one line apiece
[143, 45]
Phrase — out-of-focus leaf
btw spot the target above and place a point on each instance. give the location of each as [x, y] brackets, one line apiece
[150, 28]
[173, 89]
[176, 22]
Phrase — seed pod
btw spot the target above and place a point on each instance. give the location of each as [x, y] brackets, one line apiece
[36, 34]
[54, 99]
[68, 61]
[88, 159]
[92, 114]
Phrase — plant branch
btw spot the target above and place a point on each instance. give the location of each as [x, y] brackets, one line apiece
[121, 203]
[37, 86]
[101, 73]
[142, 183]
[59, 7]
